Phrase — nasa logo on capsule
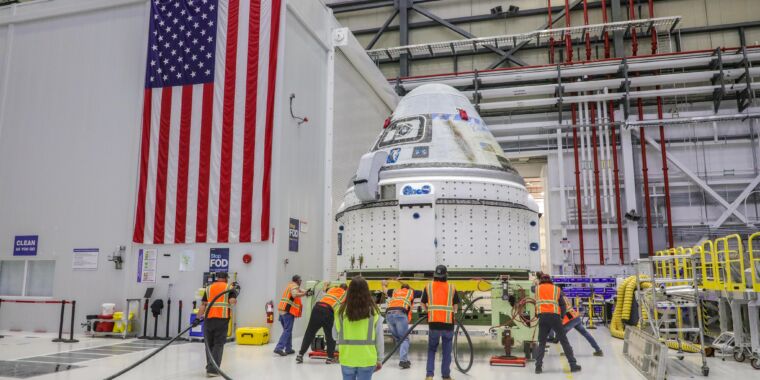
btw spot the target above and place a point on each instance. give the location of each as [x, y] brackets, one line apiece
[417, 189]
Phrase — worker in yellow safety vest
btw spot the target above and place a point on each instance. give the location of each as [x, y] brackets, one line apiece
[550, 306]
[398, 315]
[290, 308]
[440, 300]
[216, 326]
[322, 317]
[359, 328]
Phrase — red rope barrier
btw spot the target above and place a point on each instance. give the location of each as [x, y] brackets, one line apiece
[37, 301]
[63, 304]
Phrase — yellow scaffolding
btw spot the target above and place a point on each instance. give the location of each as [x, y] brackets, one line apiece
[733, 257]
[754, 261]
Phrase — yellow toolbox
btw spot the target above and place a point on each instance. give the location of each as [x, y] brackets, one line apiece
[252, 335]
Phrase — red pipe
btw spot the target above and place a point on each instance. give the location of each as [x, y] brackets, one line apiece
[642, 135]
[585, 22]
[654, 30]
[594, 147]
[606, 33]
[578, 187]
[551, 37]
[568, 40]
[611, 111]
[634, 39]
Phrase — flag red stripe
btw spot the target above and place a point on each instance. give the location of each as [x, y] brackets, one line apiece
[228, 116]
[204, 163]
[249, 141]
[163, 159]
[273, 49]
[183, 164]
[139, 233]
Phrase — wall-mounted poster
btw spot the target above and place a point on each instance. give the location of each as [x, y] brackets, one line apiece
[85, 259]
[219, 260]
[146, 266]
[186, 261]
[293, 232]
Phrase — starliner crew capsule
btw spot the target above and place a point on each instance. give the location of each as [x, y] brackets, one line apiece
[435, 188]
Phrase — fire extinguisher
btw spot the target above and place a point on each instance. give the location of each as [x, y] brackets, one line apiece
[270, 312]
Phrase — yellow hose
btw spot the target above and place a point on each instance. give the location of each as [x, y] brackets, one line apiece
[624, 305]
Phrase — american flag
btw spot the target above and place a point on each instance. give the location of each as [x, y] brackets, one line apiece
[206, 147]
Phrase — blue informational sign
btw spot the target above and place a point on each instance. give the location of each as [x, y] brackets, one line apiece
[219, 260]
[294, 229]
[25, 245]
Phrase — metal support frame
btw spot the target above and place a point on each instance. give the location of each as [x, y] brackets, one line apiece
[629, 186]
[624, 37]
[718, 79]
[403, 37]
[362, 5]
[505, 55]
[382, 29]
[735, 204]
[698, 181]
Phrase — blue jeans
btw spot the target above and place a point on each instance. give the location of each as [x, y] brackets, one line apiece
[398, 324]
[578, 326]
[357, 373]
[445, 337]
[286, 339]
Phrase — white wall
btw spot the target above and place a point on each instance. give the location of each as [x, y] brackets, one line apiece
[69, 142]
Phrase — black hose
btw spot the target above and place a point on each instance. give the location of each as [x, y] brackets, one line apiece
[194, 324]
[467, 335]
[456, 361]
[396, 347]
[135, 364]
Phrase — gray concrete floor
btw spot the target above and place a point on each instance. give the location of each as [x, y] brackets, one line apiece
[186, 361]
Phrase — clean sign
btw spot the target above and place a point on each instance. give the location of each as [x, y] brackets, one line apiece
[25, 245]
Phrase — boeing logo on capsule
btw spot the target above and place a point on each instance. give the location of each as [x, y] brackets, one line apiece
[417, 189]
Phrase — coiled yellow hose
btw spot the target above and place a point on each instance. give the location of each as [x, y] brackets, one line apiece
[624, 305]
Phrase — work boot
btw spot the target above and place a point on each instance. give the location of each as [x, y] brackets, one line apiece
[429, 378]
[404, 364]
[598, 353]
[447, 378]
[331, 361]
[299, 358]
[290, 352]
[280, 352]
[212, 374]
[575, 368]
[539, 370]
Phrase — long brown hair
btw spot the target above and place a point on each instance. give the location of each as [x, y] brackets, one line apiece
[359, 302]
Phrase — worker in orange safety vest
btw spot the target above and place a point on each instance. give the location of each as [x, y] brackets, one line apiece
[216, 326]
[550, 305]
[398, 315]
[323, 317]
[571, 320]
[440, 300]
[290, 308]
